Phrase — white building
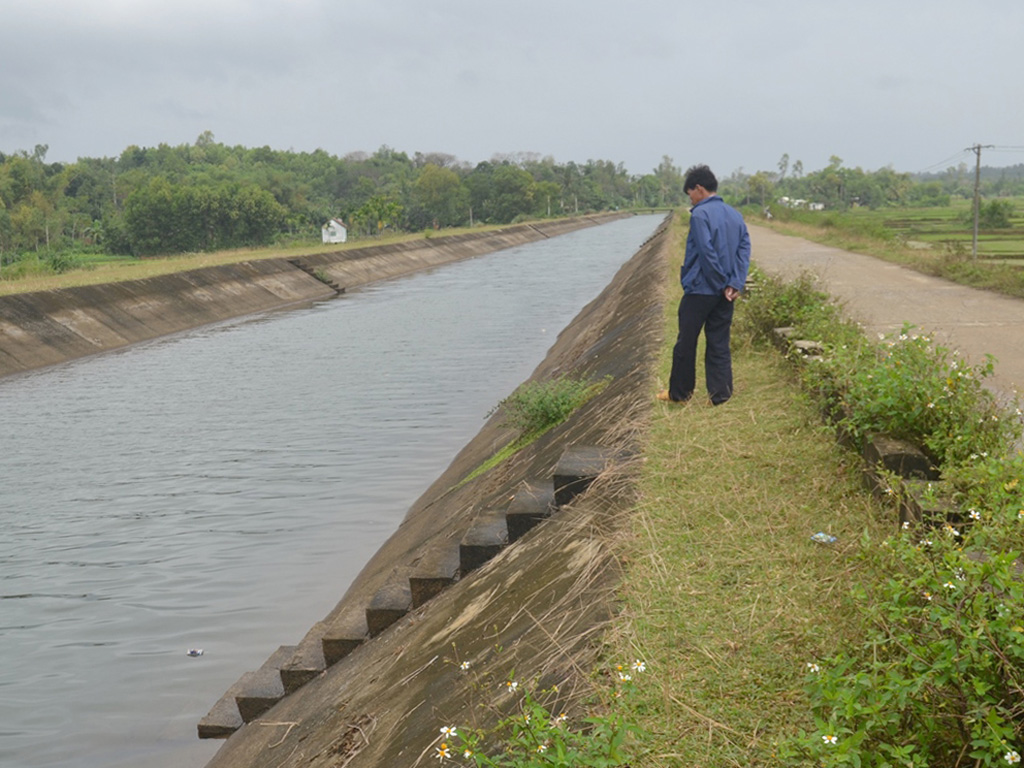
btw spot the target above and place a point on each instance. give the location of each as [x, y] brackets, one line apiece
[334, 231]
[799, 203]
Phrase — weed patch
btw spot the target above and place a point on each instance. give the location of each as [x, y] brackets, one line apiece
[537, 406]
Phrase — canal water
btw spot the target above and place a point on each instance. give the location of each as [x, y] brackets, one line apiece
[219, 489]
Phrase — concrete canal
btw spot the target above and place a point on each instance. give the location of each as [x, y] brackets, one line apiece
[221, 488]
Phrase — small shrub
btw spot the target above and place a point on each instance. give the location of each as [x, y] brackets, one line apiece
[61, 262]
[994, 214]
[912, 389]
[776, 303]
[939, 680]
[904, 386]
[539, 733]
[540, 405]
[955, 250]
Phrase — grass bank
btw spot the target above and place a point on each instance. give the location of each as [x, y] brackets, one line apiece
[726, 597]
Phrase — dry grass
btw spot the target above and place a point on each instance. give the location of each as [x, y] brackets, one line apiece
[896, 251]
[726, 596]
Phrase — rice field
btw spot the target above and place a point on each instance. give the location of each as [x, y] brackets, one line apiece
[951, 228]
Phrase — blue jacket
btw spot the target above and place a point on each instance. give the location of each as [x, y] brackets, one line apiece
[717, 249]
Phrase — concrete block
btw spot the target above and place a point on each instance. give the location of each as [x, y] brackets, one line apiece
[485, 539]
[260, 690]
[781, 337]
[344, 633]
[577, 469]
[838, 415]
[436, 570]
[917, 505]
[530, 506]
[307, 662]
[223, 719]
[807, 348]
[389, 604]
[899, 457]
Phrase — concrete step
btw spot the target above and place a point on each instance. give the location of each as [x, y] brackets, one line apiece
[260, 690]
[923, 501]
[390, 603]
[344, 633]
[307, 662]
[434, 572]
[531, 505]
[223, 719]
[577, 468]
[900, 457]
[486, 537]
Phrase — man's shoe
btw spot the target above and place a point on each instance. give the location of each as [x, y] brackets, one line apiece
[666, 398]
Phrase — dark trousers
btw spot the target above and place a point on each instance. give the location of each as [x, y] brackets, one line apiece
[713, 315]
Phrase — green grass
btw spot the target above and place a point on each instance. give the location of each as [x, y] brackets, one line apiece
[725, 596]
[534, 409]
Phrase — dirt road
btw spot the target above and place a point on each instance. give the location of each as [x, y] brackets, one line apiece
[883, 297]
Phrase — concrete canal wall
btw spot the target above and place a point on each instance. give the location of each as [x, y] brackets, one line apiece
[49, 327]
[511, 570]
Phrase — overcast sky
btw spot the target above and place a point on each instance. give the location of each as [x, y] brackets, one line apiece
[907, 83]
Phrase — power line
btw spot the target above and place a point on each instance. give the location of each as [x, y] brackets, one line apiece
[943, 162]
[1001, 148]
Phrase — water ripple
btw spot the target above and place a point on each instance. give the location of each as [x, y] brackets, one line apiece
[220, 489]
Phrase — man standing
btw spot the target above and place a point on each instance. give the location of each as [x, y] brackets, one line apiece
[713, 274]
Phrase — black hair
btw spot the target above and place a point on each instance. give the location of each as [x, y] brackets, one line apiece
[700, 176]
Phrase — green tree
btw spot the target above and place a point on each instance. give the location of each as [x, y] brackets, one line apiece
[760, 187]
[546, 196]
[670, 182]
[379, 213]
[149, 217]
[440, 196]
[512, 191]
[33, 221]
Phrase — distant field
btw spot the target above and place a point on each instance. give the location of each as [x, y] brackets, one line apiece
[936, 241]
[946, 227]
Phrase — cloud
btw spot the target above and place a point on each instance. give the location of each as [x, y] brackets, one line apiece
[736, 84]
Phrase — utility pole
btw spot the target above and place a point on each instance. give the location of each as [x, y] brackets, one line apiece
[976, 149]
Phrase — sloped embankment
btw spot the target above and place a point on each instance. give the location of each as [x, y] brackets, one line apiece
[49, 327]
[447, 587]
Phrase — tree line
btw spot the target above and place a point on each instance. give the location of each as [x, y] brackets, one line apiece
[208, 195]
[838, 187]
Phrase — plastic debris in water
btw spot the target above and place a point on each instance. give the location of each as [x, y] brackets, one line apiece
[824, 538]
[194, 652]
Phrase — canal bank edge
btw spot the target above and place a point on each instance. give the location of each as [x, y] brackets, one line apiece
[534, 608]
[49, 327]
